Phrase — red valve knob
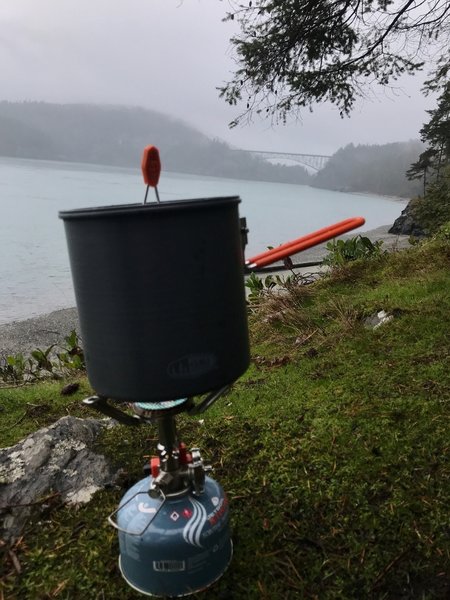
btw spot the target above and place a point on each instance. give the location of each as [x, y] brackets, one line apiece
[185, 456]
[154, 466]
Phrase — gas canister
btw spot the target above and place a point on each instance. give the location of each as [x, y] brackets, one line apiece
[173, 545]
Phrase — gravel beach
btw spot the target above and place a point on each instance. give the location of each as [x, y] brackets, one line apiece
[39, 332]
[42, 332]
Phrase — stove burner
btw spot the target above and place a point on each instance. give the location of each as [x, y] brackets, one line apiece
[152, 410]
[173, 525]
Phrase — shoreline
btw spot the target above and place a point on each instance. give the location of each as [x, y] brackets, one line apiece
[51, 328]
[38, 332]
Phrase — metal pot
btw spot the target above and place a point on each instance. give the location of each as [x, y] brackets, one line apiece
[160, 296]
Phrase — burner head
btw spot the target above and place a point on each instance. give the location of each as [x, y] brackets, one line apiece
[153, 410]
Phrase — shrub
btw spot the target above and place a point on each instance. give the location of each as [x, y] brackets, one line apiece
[344, 251]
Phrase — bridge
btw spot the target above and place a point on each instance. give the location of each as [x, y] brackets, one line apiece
[313, 161]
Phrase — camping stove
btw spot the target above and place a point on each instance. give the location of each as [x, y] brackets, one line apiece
[173, 525]
[150, 335]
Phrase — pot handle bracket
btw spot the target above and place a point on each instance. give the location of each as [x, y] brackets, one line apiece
[101, 404]
[198, 409]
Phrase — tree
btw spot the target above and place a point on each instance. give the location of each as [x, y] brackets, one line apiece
[436, 133]
[294, 53]
[420, 169]
[433, 209]
[379, 169]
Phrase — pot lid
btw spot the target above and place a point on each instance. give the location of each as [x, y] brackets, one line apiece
[141, 209]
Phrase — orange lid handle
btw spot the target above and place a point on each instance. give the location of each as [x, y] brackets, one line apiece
[151, 165]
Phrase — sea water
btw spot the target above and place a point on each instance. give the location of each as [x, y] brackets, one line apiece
[34, 268]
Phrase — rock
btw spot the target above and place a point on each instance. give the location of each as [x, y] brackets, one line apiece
[70, 389]
[56, 461]
[377, 319]
[406, 224]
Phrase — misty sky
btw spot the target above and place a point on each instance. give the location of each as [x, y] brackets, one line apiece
[170, 55]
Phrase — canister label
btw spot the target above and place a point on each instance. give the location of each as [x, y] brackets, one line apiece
[169, 566]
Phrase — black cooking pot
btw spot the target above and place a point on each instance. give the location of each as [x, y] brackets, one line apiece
[160, 296]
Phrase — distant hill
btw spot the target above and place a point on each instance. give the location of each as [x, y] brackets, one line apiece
[116, 135]
[379, 169]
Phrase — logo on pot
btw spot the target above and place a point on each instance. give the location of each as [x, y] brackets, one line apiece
[191, 366]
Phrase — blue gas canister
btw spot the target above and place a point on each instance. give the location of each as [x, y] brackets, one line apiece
[173, 545]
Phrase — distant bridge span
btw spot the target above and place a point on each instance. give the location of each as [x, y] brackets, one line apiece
[313, 161]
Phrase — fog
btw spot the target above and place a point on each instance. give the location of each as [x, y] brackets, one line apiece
[170, 55]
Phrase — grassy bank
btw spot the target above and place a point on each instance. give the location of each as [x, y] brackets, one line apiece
[333, 450]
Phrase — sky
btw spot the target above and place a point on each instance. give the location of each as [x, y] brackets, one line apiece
[170, 56]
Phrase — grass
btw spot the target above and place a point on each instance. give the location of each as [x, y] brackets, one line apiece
[333, 449]
[23, 409]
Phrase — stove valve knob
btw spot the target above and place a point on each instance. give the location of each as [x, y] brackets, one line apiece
[196, 472]
[161, 482]
[155, 466]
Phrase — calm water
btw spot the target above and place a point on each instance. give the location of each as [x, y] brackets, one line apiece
[34, 269]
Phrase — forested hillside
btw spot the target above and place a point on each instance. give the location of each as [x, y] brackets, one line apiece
[116, 135]
[376, 169]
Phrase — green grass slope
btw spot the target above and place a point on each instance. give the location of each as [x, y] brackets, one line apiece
[333, 450]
